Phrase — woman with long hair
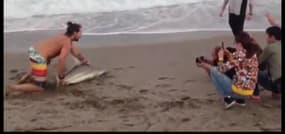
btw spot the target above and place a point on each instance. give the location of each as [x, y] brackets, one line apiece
[245, 63]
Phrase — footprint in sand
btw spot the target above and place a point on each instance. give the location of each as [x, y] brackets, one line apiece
[126, 120]
[253, 114]
[122, 110]
[267, 106]
[122, 68]
[118, 68]
[185, 119]
[123, 117]
[143, 91]
[170, 104]
[189, 81]
[122, 86]
[130, 125]
[117, 101]
[258, 124]
[105, 76]
[101, 120]
[77, 93]
[166, 78]
[76, 105]
[162, 78]
[61, 99]
[162, 85]
[185, 98]
[270, 128]
[172, 90]
[131, 67]
[210, 100]
[12, 78]
[13, 70]
[95, 103]
[211, 94]
[33, 120]
[233, 124]
[194, 103]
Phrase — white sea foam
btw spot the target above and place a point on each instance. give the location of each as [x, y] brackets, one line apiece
[103, 17]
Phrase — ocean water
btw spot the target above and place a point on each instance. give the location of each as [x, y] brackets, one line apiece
[101, 17]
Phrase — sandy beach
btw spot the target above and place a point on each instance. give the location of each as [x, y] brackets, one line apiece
[154, 87]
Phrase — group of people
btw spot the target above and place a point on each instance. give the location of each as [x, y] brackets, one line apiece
[235, 71]
[238, 72]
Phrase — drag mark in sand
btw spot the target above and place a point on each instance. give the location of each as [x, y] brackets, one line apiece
[144, 91]
[123, 68]
[165, 78]
[162, 85]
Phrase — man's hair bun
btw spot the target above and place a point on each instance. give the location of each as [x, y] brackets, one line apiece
[69, 23]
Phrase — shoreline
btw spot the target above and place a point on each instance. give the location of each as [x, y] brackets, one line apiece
[12, 41]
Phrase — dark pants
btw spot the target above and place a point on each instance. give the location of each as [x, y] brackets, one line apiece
[236, 23]
[265, 81]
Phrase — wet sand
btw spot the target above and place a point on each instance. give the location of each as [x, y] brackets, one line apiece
[154, 87]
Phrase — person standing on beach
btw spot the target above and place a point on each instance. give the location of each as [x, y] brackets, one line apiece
[237, 13]
[42, 53]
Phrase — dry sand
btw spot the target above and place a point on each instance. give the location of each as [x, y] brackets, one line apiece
[148, 88]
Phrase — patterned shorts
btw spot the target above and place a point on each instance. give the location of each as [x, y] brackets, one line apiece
[39, 67]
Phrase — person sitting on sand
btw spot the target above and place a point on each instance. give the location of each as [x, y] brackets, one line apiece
[42, 53]
[244, 61]
[270, 62]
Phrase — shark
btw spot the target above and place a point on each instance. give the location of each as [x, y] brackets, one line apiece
[79, 73]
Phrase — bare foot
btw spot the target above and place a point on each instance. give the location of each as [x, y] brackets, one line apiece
[255, 98]
[9, 90]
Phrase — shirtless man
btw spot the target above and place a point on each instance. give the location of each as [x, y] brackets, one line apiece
[42, 53]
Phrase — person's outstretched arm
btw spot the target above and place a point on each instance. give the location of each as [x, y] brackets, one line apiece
[224, 7]
[271, 20]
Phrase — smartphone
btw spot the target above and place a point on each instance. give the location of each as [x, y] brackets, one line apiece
[223, 46]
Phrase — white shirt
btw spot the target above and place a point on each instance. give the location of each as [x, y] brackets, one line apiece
[235, 6]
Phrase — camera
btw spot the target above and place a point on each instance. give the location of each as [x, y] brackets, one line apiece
[200, 59]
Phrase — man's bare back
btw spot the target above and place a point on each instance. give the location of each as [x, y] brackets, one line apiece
[52, 46]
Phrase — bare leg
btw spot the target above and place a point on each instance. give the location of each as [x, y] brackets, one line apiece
[27, 87]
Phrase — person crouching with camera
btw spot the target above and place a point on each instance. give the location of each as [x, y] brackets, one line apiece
[214, 60]
[245, 63]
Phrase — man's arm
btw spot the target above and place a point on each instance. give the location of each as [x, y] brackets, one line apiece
[62, 57]
[76, 53]
[223, 7]
[250, 7]
[271, 21]
[250, 13]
